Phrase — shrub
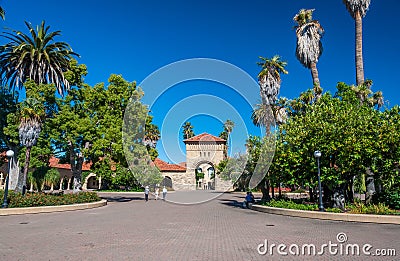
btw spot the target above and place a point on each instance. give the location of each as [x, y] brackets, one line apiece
[377, 209]
[389, 198]
[356, 208]
[291, 205]
[16, 200]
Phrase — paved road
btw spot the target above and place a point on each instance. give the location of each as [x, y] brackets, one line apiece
[131, 229]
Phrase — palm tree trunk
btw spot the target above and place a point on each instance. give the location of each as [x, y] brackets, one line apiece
[316, 83]
[359, 54]
[26, 168]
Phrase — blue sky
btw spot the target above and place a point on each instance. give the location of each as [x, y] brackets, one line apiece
[136, 38]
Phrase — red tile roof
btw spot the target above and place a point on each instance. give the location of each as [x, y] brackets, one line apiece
[204, 137]
[164, 166]
[54, 163]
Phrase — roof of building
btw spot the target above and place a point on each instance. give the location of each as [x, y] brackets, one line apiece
[204, 137]
[164, 166]
[55, 163]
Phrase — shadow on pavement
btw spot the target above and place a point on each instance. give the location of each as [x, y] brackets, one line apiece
[232, 203]
[120, 198]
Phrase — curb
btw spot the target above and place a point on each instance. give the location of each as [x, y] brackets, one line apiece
[362, 218]
[48, 209]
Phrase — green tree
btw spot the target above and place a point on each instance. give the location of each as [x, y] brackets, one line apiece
[9, 124]
[36, 57]
[89, 124]
[309, 46]
[358, 9]
[342, 129]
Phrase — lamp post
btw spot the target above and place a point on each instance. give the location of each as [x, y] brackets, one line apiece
[317, 155]
[9, 155]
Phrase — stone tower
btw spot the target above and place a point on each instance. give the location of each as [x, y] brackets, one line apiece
[203, 153]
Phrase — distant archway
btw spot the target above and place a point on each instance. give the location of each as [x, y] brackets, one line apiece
[167, 181]
[205, 175]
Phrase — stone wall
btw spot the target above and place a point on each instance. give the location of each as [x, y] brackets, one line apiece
[181, 180]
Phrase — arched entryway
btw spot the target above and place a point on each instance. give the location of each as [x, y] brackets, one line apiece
[92, 182]
[167, 181]
[205, 175]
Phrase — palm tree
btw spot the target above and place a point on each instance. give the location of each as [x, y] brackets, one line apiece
[266, 116]
[51, 177]
[269, 78]
[36, 57]
[377, 99]
[309, 46]
[228, 126]
[152, 133]
[31, 179]
[262, 115]
[31, 115]
[358, 9]
[2, 13]
[365, 94]
[306, 97]
[187, 130]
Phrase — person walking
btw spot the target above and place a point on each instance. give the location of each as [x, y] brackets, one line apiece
[146, 193]
[157, 192]
[164, 193]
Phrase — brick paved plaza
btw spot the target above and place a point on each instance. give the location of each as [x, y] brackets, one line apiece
[130, 229]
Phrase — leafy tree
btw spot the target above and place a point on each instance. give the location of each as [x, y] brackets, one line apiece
[309, 46]
[9, 122]
[342, 129]
[232, 169]
[89, 124]
[358, 9]
[187, 130]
